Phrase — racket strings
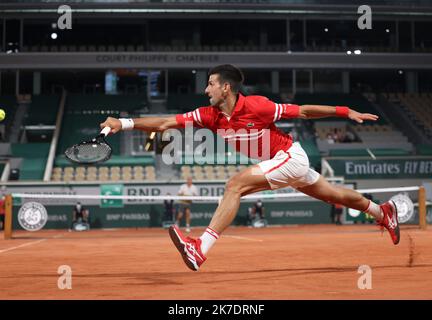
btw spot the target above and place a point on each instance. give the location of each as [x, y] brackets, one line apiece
[92, 151]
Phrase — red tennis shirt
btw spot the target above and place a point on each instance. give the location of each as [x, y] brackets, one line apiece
[252, 122]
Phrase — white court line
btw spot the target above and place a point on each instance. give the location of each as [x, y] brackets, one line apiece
[243, 238]
[30, 243]
[22, 245]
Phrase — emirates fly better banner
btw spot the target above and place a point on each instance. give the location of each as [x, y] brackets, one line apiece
[383, 169]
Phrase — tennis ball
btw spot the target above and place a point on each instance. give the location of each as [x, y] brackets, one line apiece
[2, 114]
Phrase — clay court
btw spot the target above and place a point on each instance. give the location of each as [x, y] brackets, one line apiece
[290, 262]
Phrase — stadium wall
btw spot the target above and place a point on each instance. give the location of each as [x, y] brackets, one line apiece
[120, 213]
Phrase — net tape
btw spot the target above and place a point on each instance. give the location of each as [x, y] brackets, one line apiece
[198, 198]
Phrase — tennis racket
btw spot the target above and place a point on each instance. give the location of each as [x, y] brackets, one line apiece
[90, 152]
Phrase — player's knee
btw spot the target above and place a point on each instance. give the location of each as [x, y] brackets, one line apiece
[233, 185]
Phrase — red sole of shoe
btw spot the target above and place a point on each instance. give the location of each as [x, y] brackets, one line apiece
[180, 247]
[397, 230]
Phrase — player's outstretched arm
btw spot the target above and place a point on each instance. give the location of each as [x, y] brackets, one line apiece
[144, 124]
[318, 111]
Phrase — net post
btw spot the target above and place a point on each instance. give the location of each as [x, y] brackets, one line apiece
[422, 208]
[8, 217]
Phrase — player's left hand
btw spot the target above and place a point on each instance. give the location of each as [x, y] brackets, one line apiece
[360, 117]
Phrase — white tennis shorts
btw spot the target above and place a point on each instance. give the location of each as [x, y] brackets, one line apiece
[289, 169]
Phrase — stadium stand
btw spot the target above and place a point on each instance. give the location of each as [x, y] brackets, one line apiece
[83, 113]
[411, 113]
[177, 102]
[340, 137]
[104, 173]
[81, 119]
[417, 107]
[34, 157]
[104, 225]
[209, 172]
[42, 110]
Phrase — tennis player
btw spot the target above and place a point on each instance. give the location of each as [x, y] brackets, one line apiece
[286, 165]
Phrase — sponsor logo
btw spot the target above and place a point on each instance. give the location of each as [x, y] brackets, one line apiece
[111, 190]
[404, 207]
[32, 216]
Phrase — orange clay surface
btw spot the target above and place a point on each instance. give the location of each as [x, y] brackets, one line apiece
[290, 262]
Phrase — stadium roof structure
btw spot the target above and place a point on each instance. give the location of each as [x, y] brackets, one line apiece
[278, 2]
[256, 8]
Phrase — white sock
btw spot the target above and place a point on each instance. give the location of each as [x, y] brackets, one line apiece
[374, 210]
[208, 239]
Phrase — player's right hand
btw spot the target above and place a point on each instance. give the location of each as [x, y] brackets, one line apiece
[113, 123]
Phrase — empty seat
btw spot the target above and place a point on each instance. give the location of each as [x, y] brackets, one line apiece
[138, 176]
[241, 168]
[115, 176]
[149, 169]
[221, 175]
[91, 177]
[198, 176]
[58, 170]
[208, 168]
[126, 169]
[80, 177]
[68, 178]
[231, 174]
[103, 177]
[186, 169]
[103, 170]
[150, 178]
[68, 170]
[80, 170]
[210, 175]
[197, 169]
[115, 170]
[231, 168]
[56, 177]
[138, 169]
[91, 170]
[184, 176]
[150, 173]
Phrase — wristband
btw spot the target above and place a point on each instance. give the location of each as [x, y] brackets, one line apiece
[342, 111]
[127, 123]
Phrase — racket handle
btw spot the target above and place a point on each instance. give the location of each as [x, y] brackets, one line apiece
[105, 131]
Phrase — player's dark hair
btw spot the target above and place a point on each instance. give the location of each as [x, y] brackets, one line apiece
[228, 73]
